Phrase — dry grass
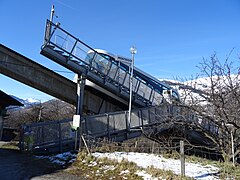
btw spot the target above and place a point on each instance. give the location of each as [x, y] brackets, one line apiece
[10, 145]
[104, 168]
[145, 145]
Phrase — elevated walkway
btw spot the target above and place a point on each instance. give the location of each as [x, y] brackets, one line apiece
[29, 72]
[114, 126]
[68, 51]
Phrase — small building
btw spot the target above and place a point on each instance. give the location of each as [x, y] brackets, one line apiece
[5, 101]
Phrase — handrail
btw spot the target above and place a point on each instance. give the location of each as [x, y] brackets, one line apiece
[111, 124]
[100, 64]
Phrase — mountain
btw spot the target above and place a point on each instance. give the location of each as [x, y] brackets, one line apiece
[198, 89]
[34, 111]
[195, 86]
[29, 102]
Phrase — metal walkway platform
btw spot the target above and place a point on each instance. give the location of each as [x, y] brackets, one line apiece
[68, 51]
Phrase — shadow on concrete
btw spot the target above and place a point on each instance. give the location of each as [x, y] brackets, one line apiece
[17, 165]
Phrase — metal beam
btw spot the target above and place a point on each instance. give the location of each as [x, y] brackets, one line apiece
[25, 70]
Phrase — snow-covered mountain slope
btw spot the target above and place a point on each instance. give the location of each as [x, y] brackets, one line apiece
[26, 103]
[194, 87]
[197, 89]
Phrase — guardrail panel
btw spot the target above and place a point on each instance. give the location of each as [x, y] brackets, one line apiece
[117, 121]
[96, 124]
[113, 71]
[135, 119]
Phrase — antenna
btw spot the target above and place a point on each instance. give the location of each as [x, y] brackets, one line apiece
[52, 14]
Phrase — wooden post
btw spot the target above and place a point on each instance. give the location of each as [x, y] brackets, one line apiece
[153, 147]
[233, 154]
[85, 143]
[182, 158]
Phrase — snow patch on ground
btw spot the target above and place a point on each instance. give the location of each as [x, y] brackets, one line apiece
[60, 159]
[144, 160]
[145, 175]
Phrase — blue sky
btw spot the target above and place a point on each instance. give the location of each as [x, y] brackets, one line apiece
[171, 36]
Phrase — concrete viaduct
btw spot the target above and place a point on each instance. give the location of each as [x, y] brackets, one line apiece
[27, 71]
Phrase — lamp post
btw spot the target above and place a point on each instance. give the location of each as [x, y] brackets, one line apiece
[52, 13]
[133, 51]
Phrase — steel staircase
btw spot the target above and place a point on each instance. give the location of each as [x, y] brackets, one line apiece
[67, 50]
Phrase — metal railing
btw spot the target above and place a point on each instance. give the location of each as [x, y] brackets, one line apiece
[112, 123]
[55, 133]
[58, 133]
[77, 51]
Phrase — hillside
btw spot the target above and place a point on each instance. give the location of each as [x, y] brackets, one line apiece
[198, 89]
[36, 112]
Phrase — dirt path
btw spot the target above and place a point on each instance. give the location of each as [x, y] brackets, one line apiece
[16, 165]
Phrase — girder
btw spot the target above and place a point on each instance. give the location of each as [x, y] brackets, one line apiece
[25, 70]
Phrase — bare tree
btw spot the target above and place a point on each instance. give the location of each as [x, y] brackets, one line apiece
[218, 105]
[51, 110]
[210, 106]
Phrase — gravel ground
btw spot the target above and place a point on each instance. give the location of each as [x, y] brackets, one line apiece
[17, 165]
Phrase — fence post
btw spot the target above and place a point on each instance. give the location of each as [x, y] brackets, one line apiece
[233, 154]
[21, 139]
[60, 136]
[139, 119]
[149, 117]
[182, 158]
[127, 125]
[43, 139]
[108, 128]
